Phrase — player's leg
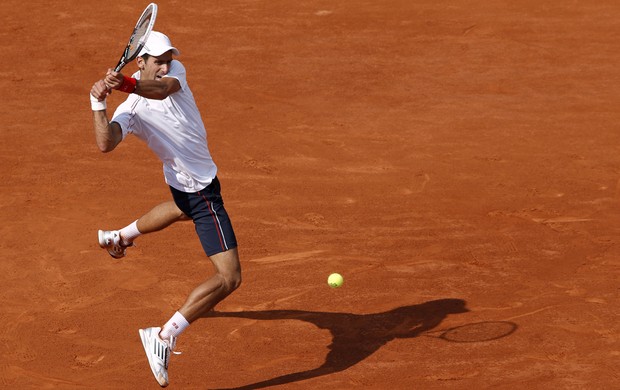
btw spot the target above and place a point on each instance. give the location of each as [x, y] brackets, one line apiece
[216, 235]
[209, 293]
[218, 240]
[205, 296]
[158, 218]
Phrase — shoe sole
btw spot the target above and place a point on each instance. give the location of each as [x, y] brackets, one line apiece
[102, 244]
[101, 238]
[145, 347]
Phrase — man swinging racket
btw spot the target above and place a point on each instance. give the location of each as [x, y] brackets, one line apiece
[160, 110]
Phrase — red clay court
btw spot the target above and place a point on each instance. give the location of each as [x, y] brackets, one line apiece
[457, 162]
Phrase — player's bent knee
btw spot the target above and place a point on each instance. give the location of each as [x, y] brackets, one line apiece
[232, 281]
[228, 269]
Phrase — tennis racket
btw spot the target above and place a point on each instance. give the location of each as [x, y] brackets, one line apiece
[139, 36]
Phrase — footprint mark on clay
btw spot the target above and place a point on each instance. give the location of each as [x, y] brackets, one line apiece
[87, 361]
[315, 218]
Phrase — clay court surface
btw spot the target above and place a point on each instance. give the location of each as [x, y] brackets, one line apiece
[456, 161]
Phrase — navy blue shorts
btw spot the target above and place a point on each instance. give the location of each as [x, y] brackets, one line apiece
[206, 209]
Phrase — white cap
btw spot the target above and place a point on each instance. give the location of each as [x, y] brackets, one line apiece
[157, 44]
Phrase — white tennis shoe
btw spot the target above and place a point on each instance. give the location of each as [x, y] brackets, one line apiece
[158, 353]
[111, 240]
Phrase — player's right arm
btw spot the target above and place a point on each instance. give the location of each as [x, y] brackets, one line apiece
[107, 134]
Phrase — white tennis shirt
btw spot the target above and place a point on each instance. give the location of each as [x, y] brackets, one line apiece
[173, 129]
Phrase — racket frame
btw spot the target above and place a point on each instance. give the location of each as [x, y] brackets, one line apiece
[149, 14]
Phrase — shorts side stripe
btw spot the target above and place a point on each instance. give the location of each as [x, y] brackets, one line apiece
[216, 221]
[219, 228]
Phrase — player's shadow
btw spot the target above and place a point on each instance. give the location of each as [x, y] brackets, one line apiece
[355, 336]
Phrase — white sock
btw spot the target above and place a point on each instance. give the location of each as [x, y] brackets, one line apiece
[174, 327]
[130, 233]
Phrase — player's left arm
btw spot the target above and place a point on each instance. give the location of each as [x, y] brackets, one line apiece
[158, 89]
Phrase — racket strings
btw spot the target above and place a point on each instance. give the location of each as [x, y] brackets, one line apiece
[138, 38]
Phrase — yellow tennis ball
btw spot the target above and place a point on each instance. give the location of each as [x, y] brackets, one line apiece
[335, 280]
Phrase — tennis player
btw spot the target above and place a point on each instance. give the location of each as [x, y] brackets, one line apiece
[160, 110]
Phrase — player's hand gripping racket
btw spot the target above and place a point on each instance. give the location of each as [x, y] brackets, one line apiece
[139, 36]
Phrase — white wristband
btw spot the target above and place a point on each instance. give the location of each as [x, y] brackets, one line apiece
[97, 105]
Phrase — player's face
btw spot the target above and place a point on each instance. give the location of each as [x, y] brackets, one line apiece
[156, 67]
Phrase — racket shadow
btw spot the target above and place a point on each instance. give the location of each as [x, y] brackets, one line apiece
[355, 336]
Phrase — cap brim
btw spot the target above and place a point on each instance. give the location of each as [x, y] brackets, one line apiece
[157, 53]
